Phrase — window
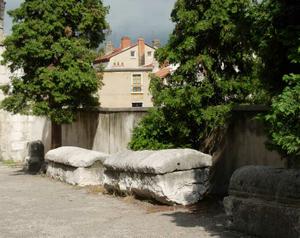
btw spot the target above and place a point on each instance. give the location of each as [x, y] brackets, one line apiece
[137, 104]
[149, 53]
[132, 54]
[136, 83]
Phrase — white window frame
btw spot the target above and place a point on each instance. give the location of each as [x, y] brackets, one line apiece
[149, 56]
[142, 83]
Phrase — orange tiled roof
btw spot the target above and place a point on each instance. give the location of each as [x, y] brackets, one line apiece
[116, 51]
[164, 72]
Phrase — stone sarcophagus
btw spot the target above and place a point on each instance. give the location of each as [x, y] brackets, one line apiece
[76, 166]
[265, 202]
[175, 176]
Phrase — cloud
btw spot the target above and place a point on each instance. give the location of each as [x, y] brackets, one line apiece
[140, 18]
[133, 18]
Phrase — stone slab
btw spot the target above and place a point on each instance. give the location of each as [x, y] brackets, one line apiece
[276, 184]
[92, 175]
[261, 218]
[158, 162]
[181, 187]
[264, 202]
[176, 176]
[75, 156]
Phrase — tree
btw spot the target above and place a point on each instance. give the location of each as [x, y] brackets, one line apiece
[52, 44]
[283, 120]
[275, 37]
[217, 69]
[280, 72]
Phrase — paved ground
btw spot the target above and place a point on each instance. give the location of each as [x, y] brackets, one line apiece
[35, 206]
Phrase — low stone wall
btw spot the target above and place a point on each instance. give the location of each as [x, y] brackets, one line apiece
[17, 130]
[241, 144]
[265, 202]
[178, 176]
[106, 130]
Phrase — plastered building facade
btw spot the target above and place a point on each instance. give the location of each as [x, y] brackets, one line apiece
[126, 75]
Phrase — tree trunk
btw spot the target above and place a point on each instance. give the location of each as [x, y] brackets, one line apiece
[56, 140]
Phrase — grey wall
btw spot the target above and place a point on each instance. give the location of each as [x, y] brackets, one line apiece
[243, 143]
[107, 130]
[16, 131]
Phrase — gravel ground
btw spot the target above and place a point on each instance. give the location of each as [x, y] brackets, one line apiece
[36, 206]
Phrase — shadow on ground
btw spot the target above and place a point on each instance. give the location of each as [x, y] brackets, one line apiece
[209, 215]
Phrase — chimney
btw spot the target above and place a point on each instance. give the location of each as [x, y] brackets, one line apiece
[109, 48]
[156, 43]
[141, 48]
[125, 42]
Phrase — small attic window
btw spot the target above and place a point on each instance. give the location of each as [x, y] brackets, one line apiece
[149, 53]
[132, 54]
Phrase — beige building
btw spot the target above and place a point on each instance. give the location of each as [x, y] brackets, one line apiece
[126, 74]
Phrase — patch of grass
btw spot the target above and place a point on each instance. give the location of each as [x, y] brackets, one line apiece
[162, 208]
[130, 198]
[11, 163]
[96, 190]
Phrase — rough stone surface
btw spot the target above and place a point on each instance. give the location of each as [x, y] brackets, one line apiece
[158, 162]
[75, 156]
[264, 201]
[270, 183]
[76, 166]
[168, 176]
[35, 159]
[92, 175]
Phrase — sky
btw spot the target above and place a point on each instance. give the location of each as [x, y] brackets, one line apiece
[134, 18]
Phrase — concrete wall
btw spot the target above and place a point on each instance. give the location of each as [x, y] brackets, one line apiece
[242, 144]
[16, 131]
[108, 130]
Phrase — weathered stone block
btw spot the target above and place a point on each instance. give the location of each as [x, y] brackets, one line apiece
[176, 176]
[76, 166]
[35, 157]
[265, 201]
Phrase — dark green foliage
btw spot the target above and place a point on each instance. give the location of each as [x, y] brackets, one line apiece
[53, 44]
[275, 36]
[284, 118]
[211, 43]
[277, 40]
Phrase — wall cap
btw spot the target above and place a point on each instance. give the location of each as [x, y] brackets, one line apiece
[237, 108]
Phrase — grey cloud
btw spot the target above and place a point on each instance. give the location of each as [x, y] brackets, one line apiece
[140, 18]
[134, 18]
